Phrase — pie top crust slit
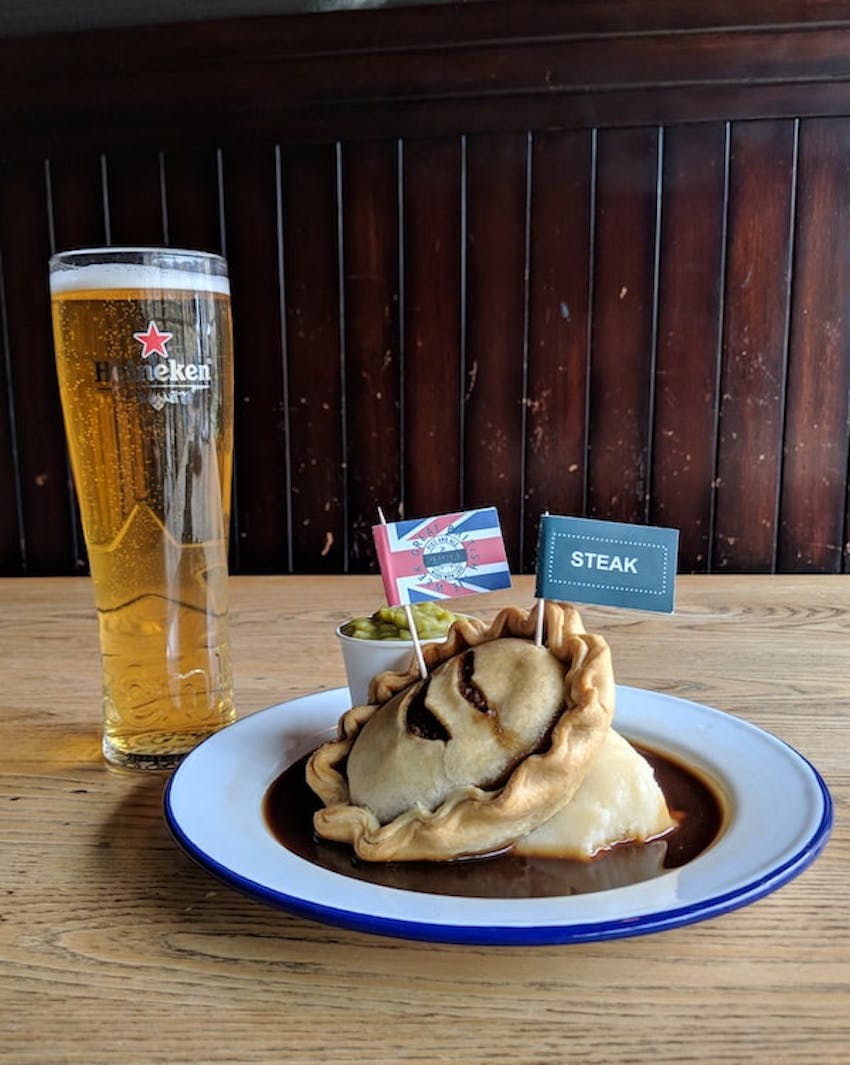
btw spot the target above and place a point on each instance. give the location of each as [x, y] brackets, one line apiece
[490, 745]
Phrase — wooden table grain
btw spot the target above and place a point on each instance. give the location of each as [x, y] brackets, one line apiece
[116, 948]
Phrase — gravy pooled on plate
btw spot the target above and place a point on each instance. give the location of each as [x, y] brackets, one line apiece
[290, 804]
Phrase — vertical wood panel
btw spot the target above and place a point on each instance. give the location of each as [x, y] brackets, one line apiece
[42, 463]
[192, 205]
[754, 346]
[134, 189]
[250, 198]
[846, 563]
[559, 314]
[621, 363]
[79, 221]
[372, 341]
[76, 187]
[812, 533]
[432, 326]
[192, 200]
[311, 257]
[691, 261]
[11, 547]
[495, 351]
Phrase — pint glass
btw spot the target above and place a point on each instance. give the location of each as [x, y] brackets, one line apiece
[144, 356]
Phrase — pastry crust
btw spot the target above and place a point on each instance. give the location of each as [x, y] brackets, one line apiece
[475, 820]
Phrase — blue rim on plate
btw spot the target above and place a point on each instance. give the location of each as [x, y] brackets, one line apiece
[779, 816]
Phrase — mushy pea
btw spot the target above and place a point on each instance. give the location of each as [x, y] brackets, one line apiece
[390, 623]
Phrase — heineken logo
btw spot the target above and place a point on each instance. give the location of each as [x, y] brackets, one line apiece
[153, 341]
[165, 379]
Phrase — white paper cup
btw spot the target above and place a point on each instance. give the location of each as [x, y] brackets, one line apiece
[365, 658]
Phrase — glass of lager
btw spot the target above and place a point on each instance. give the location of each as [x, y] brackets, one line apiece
[144, 356]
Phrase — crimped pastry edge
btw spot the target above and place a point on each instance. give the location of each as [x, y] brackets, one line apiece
[471, 820]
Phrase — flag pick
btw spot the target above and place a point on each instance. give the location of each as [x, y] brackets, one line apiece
[607, 563]
[411, 623]
[538, 633]
[441, 557]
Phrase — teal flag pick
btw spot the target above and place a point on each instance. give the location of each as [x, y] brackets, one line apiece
[608, 563]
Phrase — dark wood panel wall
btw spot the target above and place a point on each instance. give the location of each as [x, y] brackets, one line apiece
[591, 257]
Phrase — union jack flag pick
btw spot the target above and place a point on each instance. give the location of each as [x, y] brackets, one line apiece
[442, 557]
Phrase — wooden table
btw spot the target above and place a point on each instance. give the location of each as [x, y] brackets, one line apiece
[115, 947]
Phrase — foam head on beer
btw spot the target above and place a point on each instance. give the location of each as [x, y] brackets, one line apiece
[108, 276]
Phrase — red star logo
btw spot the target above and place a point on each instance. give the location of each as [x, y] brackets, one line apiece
[153, 341]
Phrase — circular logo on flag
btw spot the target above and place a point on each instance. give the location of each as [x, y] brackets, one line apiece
[444, 557]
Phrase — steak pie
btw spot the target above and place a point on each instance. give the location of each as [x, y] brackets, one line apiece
[495, 742]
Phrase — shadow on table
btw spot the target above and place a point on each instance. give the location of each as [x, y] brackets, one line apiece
[184, 906]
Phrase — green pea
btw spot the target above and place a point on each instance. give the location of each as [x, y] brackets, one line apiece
[390, 623]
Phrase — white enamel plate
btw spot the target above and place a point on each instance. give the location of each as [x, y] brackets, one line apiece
[779, 815]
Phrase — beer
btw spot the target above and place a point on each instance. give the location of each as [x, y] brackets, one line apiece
[144, 357]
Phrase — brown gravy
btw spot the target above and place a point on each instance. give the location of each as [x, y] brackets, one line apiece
[289, 806]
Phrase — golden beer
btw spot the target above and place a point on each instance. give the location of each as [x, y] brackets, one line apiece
[144, 356]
